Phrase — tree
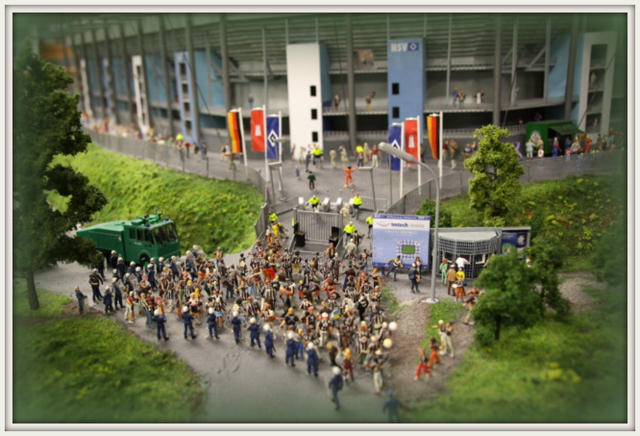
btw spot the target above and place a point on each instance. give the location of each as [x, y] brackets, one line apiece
[497, 169]
[508, 299]
[547, 256]
[46, 123]
[609, 258]
[428, 208]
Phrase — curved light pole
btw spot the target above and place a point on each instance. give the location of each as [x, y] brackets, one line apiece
[388, 148]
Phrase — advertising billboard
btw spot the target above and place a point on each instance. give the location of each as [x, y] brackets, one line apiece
[406, 236]
[515, 237]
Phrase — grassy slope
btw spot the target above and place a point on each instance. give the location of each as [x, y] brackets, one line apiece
[88, 369]
[573, 372]
[207, 212]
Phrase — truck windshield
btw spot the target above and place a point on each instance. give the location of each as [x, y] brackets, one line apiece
[165, 233]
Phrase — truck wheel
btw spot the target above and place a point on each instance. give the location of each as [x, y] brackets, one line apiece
[144, 260]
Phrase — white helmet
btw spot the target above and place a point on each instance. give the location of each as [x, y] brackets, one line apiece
[152, 260]
[393, 326]
[290, 335]
[138, 269]
[114, 280]
[161, 259]
[336, 370]
[107, 288]
[310, 346]
[113, 251]
[235, 314]
[173, 258]
[120, 259]
[252, 320]
[95, 270]
[185, 309]
[266, 327]
[115, 271]
[127, 275]
[188, 252]
[157, 312]
[211, 311]
[132, 263]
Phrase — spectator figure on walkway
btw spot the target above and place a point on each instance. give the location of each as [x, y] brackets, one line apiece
[335, 384]
[250, 99]
[478, 96]
[336, 102]
[307, 160]
[422, 364]
[344, 156]
[348, 179]
[453, 150]
[81, 297]
[367, 152]
[392, 405]
[375, 151]
[369, 98]
[312, 180]
[455, 96]
[346, 214]
[333, 154]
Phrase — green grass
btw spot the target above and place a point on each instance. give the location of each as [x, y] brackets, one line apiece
[390, 300]
[207, 212]
[554, 372]
[90, 370]
[50, 304]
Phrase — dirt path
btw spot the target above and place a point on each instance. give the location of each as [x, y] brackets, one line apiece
[412, 322]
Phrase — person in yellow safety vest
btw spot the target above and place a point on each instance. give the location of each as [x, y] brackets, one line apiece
[359, 149]
[348, 230]
[357, 202]
[273, 217]
[317, 155]
[314, 202]
[369, 221]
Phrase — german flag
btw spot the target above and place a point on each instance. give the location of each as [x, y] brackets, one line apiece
[433, 128]
[234, 122]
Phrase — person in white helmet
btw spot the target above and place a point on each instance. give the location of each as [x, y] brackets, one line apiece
[95, 281]
[236, 322]
[211, 322]
[108, 300]
[312, 359]
[187, 319]
[160, 320]
[268, 340]
[336, 384]
[254, 332]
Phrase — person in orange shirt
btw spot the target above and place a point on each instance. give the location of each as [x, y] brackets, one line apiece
[422, 365]
[434, 352]
[348, 179]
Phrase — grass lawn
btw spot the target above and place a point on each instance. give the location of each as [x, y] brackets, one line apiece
[90, 370]
[207, 212]
[445, 310]
[554, 372]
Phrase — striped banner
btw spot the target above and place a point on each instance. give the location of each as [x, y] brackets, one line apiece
[273, 133]
[433, 129]
[257, 130]
[236, 135]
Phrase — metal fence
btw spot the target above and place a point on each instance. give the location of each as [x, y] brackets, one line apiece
[535, 170]
[317, 225]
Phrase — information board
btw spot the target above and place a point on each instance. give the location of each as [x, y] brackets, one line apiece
[403, 235]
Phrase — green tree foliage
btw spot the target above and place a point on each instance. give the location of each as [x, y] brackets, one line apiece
[428, 208]
[508, 299]
[46, 122]
[609, 259]
[548, 255]
[497, 169]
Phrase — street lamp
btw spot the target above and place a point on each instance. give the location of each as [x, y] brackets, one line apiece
[388, 148]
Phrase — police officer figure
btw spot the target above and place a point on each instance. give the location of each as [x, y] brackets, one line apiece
[117, 293]
[291, 349]
[236, 322]
[187, 319]
[211, 322]
[160, 320]
[81, 297]
[268, 340]
[108, 300]
[95, 281]
[254, 329]
[312, 359]
[336, 385]
[392, 405]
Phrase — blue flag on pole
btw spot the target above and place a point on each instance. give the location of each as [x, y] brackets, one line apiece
[273, 133]
[395, 139]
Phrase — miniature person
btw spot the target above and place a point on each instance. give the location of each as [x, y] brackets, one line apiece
[187, 319]
[347, 363]
[369, 222]
[444, 266]
[392, 405]
[344, 156]
[81, 297]
[422, 364]
[312, 359]
[291, 349]
[160, 320]
[314, 202]
[254, 330]
[297, 173]
[250, 99]
[479, 95]
[374, 156]
[336, 101]
[211, 322]
[336, 384]
[413, 276]
[268, 340]
[348, 179]
[376, 364]
[95, 281]
[453, 150]
[442, 332]
[455, 96]
[357, 202]
[236, 322]
[451, 279]
[368, 99]
[333, 154]
[396, 264]
[307, 160]
[108, 300]
[448, 344]
[434, 352]
[471, 301]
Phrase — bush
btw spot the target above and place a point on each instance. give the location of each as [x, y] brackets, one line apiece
[428, 208]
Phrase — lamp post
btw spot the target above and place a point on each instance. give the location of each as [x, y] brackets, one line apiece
[409, 158]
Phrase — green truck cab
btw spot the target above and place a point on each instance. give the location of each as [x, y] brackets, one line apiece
[138, 240]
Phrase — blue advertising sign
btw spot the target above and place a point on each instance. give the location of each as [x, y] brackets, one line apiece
[395, 139]
[406, 236]
[514, 239]
[273, 133]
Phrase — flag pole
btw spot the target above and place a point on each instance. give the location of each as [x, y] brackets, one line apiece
[401, 161]
[280, 148]
[266, 144]
[440, 160]
[244, 147]
[420, 139]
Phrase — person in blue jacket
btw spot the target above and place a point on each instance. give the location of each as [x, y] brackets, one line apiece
[117, 293]
[187, 319]
[312, 359]
[392, 405]
[291, 350]
[81, 297]
[108, 300]
[254, 329]
[211, 322]
[160, 320]
[268, 340]
[336, 385]
[237, 323]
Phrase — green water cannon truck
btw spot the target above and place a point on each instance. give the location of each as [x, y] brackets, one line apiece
[137, 240]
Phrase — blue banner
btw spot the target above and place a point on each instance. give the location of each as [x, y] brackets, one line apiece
[395, 139]
[273, 133]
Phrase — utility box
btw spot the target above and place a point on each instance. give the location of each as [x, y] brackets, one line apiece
[300, 239]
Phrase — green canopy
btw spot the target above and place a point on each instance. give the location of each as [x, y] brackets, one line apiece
[565, 129]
